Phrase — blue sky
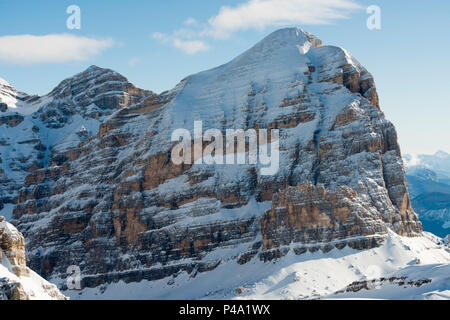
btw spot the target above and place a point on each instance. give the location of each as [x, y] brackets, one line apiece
[155, 44]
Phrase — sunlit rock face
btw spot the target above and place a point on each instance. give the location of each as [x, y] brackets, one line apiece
[17, 281]
[102, 192]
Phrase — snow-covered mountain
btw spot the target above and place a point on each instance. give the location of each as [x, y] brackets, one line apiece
[438, 162]
[12, 101]
[89, 180]
[33, 129]
[428, 179]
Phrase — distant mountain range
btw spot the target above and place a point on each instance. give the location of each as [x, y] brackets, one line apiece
[428, 179]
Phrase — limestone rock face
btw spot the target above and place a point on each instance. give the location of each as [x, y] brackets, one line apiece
[17, 281]
[108, 198]
[309, 214]
[12, 245]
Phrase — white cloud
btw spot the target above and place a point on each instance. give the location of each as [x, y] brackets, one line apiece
[52, 48]
[258, 14]
[188, 46]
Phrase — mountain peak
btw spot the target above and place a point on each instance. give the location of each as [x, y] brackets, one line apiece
[91, 77]
[94, 68]
[292, 34]
[4, 83]
[277, 51]
[287, 38]
[94, 71]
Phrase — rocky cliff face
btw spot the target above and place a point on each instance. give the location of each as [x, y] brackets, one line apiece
[17, 281]
[99, 189]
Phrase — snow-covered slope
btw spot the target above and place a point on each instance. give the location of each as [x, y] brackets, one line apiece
[314, 275]
[31, 286]
[12, 101]
[17, 281]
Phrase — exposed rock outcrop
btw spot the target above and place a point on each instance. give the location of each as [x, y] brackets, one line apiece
[376, 283]
[309, 214]
[17, 281]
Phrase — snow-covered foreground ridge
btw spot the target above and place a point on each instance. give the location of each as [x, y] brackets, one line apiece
[401, 268]
[17, 281]
[87, 177]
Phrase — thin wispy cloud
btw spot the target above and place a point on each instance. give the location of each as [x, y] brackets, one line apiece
[52, 48]
[257, 14]
[187, 46]
[190, 46]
